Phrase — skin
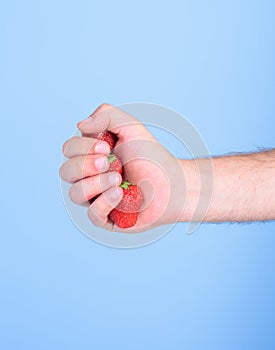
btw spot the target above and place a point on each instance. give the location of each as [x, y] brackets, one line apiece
[243, 186]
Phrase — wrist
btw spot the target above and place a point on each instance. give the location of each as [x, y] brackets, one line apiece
[197, 179]
[192, 189]
[184, 191]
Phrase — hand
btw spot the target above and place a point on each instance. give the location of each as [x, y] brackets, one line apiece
[146, 163]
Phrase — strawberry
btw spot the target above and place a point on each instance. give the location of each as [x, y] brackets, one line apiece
[115, 163]
[123, 220]
[106, 136]
[126, 212]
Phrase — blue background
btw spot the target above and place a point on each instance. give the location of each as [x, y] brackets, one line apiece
[212, 61]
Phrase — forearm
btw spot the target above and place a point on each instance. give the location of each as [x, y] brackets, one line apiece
[243, 188]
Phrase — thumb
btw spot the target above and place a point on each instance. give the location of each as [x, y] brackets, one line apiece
[106, 117]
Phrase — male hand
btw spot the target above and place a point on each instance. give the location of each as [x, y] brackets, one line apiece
[146, 163]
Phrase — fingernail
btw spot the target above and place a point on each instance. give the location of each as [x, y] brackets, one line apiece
[102, 148]
[113, 179]
[115, 194]
[102, 163]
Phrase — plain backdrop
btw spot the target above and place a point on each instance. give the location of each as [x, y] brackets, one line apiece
[212, 61]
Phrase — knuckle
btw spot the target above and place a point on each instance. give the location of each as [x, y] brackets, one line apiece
[104, 106]
[72, 194]
[68, 171]
[77, 193]
[64, 147]
[62, 172]
[66, 151]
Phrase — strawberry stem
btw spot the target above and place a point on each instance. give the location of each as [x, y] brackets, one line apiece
[111, 157]
[125, 184]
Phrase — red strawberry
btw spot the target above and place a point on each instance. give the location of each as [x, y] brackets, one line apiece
[123, 220]
[115, 163]
[106, 136]
[126, 213]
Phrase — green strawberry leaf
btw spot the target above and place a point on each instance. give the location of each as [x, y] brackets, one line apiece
[111, 157]
[125, 184]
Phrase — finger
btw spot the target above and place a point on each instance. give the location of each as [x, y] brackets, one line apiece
[107, 117]
[82, 191]
[77, 146]
[80, 167]
[99, 210]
